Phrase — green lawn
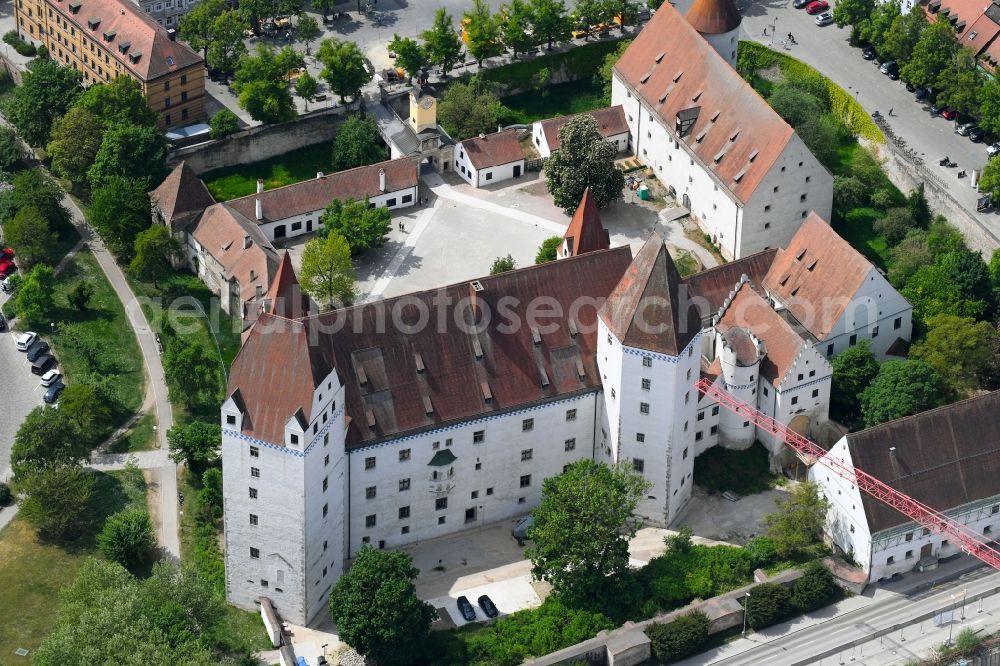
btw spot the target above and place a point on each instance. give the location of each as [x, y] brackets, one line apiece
[141, 437]
[33, 572]
[291, 167]
[558, 100]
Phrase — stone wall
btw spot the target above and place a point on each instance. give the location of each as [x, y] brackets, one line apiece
[261, 142]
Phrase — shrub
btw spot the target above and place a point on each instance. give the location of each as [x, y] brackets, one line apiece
[768, 603]
[127, 538]
[24, 48]
[815, 589]
[680, 638]
[222, 124]
[762, 550]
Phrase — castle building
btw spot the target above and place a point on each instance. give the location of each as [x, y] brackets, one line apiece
[104, 39]
[418, 416]
[744, 174]
[610, 123]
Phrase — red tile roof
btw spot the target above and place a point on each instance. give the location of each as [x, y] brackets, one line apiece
[585, 232]
[817, 275]
[316, 194]
[945, 457]
[125, 23]
[650, 307]
[404, 380]
[782, 344]
[610, 122]
[181, 196]
[493, 149]
[673, 69]
[714, 17]
[285, 297]
[711, 287]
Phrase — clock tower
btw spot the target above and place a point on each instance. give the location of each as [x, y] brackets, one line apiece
[423, 108]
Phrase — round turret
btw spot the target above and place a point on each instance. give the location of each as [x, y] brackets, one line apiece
[718, 21]
[739, 359]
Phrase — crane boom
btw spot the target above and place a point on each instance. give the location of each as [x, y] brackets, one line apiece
[970, 541]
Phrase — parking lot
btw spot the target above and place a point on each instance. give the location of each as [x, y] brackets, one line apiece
[21, 393]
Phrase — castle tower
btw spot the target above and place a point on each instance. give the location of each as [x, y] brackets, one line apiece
[585, 232]
[739, 358]
[423, 108]
[647, 350]
[718, 21]
[285, 298]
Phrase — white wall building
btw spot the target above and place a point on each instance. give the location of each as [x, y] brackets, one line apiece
[745, 175]
[490, 158]
[610, 122]
[947, 458]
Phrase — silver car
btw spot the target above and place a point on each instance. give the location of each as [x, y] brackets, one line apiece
[993, 149]
[826, 18]
[965, 128]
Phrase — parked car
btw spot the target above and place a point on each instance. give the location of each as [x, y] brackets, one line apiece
[977, 134]
[868, 52]
[40, 347]
[936, 110]
[889, 68]
[7, 285]
[53, 393]
[521, 527]
[42, 364]
[24, 342]
[488, 606]
[993, 149]
[922, 93]
[50, 377]
[826, 18]
[466, 609]
[6, 268]
[965, 128]
[817, 6]
[799, 4]
[949, 114]
[6, 254]
[3, 323]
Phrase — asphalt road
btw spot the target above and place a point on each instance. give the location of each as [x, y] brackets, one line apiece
[20, 392]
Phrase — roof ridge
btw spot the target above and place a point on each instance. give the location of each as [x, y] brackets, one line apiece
[729, 264]
[254, 195]
[924, 413]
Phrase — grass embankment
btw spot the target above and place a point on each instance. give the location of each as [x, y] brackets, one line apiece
[33, 572]
[291, 167]
[140, 437]
[579, 64]
[562, 99]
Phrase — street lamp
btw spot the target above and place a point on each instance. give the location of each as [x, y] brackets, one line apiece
[745, 604]
[951, 624]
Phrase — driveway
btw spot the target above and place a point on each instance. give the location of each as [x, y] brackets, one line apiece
[21, 393]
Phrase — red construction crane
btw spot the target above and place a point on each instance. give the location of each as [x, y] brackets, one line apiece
[970, 541]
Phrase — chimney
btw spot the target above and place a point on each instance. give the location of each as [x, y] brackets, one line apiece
[499, 128]
[319, 174]
[172, 34]
[894, 461]
[260, 185]
[259, 210]
[381, 180]
[246, 238]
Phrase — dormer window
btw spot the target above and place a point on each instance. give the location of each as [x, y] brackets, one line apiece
[134, 57]
[93, 23]
[74, 7]
[110, 36]
[123, 47]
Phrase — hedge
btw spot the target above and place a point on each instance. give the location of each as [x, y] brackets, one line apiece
[769, 603]
[24, 48]
[581, 62]
[679, 639]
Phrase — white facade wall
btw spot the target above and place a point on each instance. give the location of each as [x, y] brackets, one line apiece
[621, 140]
[804, 390]
[847, 524]
[491, 470]
[725, 44]
[297, 225]
[485, 176]
[772, 215]
[741, 382]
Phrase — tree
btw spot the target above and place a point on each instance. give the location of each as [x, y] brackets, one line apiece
[584, 159]
[502, 265]
[55, 500]
[908, 257]
[46, 438]
[127, 538]
[815, 589]
[548, 251]
[155, 252]
[920, 211]
[260, 83]
[376, 609]
[11, 151]
[590, 13]
[798, 521]
[358, 143]
[767, 604]
[902, 388]
[307, 30]
[515, 26]
[895, 224]
[34, 301]
[46, 92]
[196, 25]
[441, 42]
[482, 31]
[343, 67]
[361, 226]
[680, 638]
[223, 123]
[227, 49]
[956, 283]
[959, 83]
[989, 181]
[852, 12]
[324, 6]
[119, 102]
[549, 22]
[32, 188]
[989, 115]
[794, 104]
[875, 28]
[195, 443]
[959, 348]
[581, 528]
[849, 192]
[86, 409]
[410, 55]
[30, 233]
[190, 374]
[327, 274]
[606, 73]
[903, 34]
[853, 370]
[469, 109]
[931, 54]
[76, 138]
[822, 136]
[625, 11]
[306, 87]
[119, 210]
[131, 152]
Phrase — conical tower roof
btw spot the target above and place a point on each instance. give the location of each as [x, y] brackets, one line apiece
[714, 17]
[650, 307]
[585, 232]
[285, 296]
